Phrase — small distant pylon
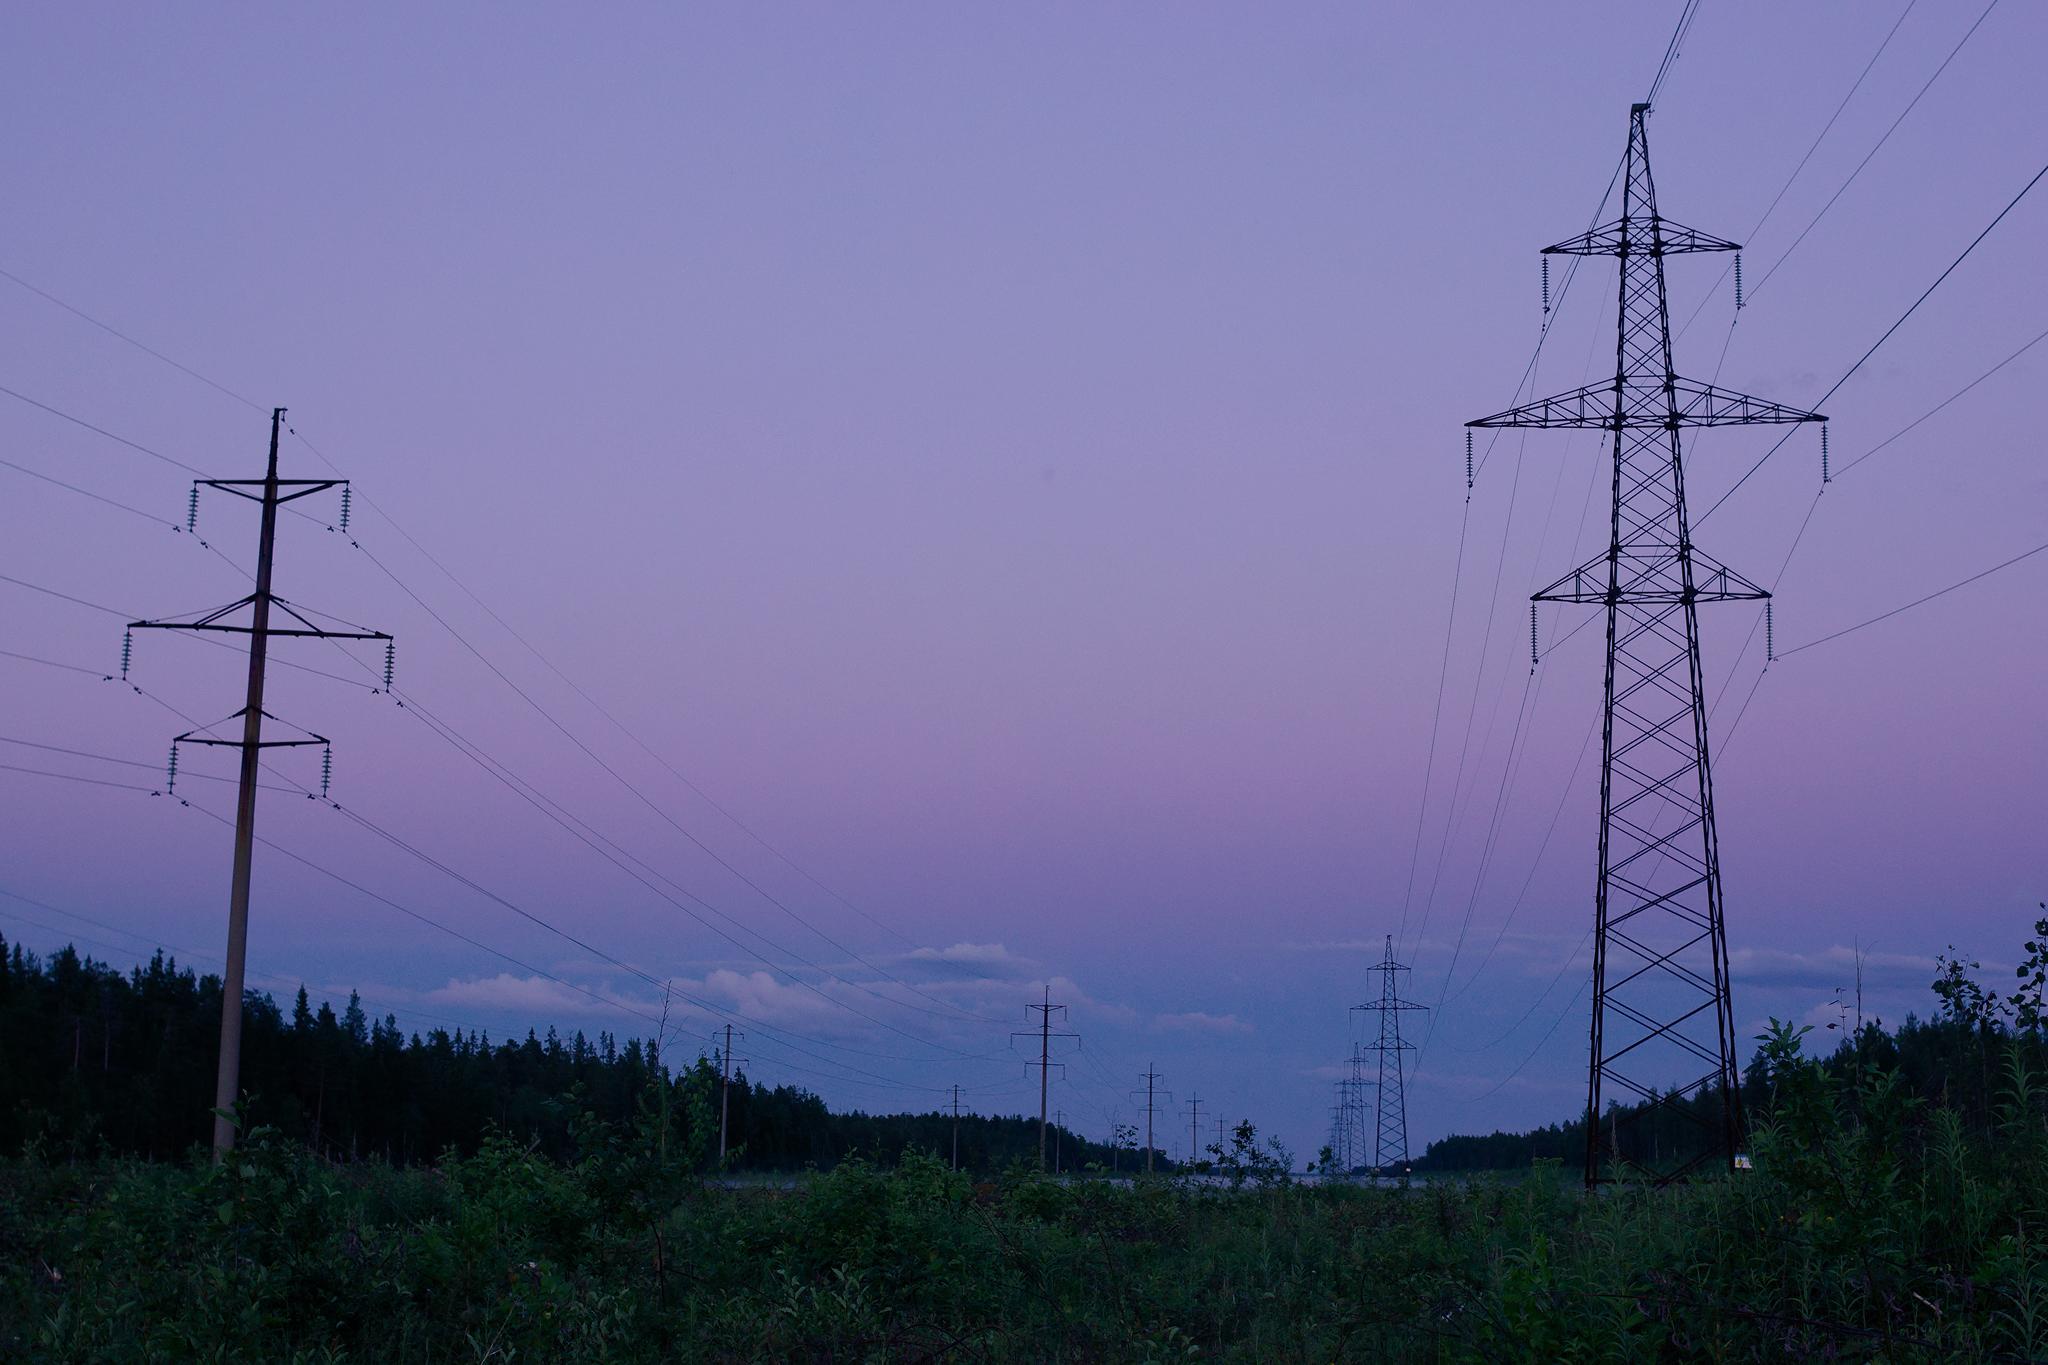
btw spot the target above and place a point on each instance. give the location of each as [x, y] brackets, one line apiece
[1347, 1115]
[1390, 1116]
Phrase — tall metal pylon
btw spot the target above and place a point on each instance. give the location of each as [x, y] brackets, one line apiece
[270, 492]
[1390, 1118]
[1663, 1029]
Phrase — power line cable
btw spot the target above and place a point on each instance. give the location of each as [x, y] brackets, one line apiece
[111, 330]
[954, 1010]
[1918, 601]
[1758, 287]
[1813, 147]
[438, 564]
[2038, 339]
[121, 440]
[608, 1002]
[660, 811]
[608, 715]
[96, 497]
[1924, 294]
[1671, 50]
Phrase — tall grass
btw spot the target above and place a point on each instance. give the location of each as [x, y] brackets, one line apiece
[1876, 1226]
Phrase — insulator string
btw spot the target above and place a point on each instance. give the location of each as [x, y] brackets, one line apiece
[1825, 477]
[1738, 281]
[192, 509]
[127, 652]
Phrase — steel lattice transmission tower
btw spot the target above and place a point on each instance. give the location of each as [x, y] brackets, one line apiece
[1390, 1118]
[1663, 1031]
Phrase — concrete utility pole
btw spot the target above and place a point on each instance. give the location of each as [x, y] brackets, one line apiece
[956, 1127]
[270, 492]
[724, 1091]
[1151, 1093]
[1044, 1063]
[1059, 1119]
[1194, 1129]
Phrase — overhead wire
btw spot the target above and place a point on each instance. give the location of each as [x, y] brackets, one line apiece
[707, 1006]
[1914, 307]
[954, 1010]
[112, 330]
[581, 692]
[1779, 197]
[1786, 255]
[1918, 601]
[604, 711]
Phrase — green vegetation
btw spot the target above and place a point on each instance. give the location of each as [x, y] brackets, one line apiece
[1873, 1228]
[1891, 1216]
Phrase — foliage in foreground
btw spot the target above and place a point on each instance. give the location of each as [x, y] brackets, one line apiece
[1875, 1227]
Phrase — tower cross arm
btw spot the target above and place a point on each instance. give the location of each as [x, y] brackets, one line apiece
[300, 488]
[1646, 579]
[216, 621]
[1655, 236]
[1673, 403]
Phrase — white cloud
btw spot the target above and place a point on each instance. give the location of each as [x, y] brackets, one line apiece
[1830, 967]
[980, 954]
[1196, 1021]
[533, 995]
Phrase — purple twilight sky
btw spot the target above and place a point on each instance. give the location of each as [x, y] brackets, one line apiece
[1002, 469]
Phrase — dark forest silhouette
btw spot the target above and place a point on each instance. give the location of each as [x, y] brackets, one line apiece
[102, 1062]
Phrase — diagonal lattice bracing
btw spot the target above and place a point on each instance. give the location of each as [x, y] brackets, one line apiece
[1662, 1026]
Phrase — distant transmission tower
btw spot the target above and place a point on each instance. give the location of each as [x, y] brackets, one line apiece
[1663, 1029]
[1390, 1118]
[1340, 1130]
[270, 492]
[1152, 1091]
[1355, 1086]
[1045, 1064]
[1347, 1116]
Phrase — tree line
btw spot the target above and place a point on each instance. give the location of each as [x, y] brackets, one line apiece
[1954, 1060]
[101, 1062]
